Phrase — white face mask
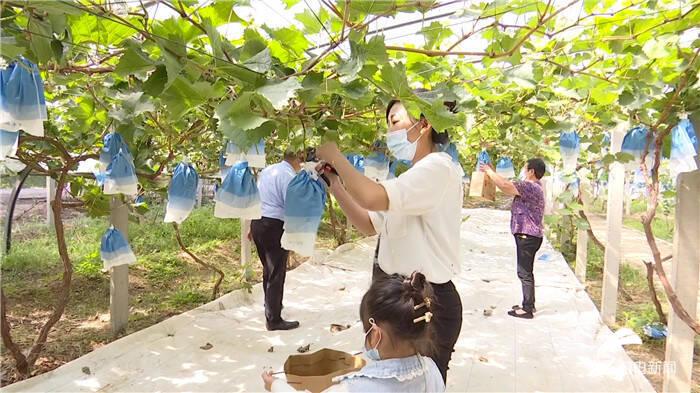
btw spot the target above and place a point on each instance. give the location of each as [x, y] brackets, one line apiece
[523, 174]
[400, 147]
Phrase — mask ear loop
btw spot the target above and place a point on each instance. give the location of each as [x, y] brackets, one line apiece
[374, 325]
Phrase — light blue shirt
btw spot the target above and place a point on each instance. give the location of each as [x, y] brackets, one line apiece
[272, 186]
[409, 374]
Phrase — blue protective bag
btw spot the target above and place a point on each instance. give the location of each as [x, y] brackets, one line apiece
[684, 148]
[120, 177]
[358, 161]
[182, 193]
[22, 100]
[569, 148]
[377, 166]
[482, 159]
[304, 206]
[8, 143]
[504, 167]
[115, 249]
[238, 196]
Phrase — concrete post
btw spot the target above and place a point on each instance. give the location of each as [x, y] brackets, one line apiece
[613, 249]
[685, 270]
[246, 253]
[628, 196]
[50, 197]
[119, 277]
[581, 254]
[200, 187]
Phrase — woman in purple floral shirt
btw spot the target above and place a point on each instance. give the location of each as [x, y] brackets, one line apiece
[526, 226]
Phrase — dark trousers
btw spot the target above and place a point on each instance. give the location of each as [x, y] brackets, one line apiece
[447, 317]
[267, 233]
[527, 247]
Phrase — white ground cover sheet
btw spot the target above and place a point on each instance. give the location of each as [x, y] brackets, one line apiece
[565, 348]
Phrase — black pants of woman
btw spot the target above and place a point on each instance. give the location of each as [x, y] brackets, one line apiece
[447, 312]
[527, 246]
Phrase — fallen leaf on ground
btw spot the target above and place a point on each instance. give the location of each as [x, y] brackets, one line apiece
[86, 370]
[271, 349]
[206, 347]
[483, 359]
[341, 288]
[488, 313]
[485, 280]
[304, 348]
[335, 328]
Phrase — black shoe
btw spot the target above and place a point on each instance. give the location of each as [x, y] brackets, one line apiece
[517, 307]
[521, 314]
[282, 325]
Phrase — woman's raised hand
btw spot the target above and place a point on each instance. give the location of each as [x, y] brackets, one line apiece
[328, 152]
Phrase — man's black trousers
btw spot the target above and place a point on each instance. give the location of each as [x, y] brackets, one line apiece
[267, 234]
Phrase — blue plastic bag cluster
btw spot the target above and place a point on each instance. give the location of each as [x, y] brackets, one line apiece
[377, 166]
[115, 249]
[238, 196]
[482, 159]
[504, 167]
[358, 161]
[254, 155]
[684, 148]
[182, 193]
[120, 176]
[634, 143]
[570, 148]
[8, 143]
[304, 205]
[656, 331]
[22, 101]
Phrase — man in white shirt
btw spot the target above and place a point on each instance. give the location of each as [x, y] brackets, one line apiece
[267, 233]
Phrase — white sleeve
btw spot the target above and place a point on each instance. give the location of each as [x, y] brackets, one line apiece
[419, 189]
[377, 219]
[280, 386]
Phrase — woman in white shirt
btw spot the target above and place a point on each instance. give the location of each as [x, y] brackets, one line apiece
[417, 215]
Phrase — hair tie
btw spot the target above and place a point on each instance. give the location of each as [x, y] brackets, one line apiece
[427, 317]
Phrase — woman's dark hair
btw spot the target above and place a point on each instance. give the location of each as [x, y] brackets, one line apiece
[441, 138]
[537, 165]
[397, 302]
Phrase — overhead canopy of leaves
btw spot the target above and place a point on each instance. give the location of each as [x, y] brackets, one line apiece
[182, 85]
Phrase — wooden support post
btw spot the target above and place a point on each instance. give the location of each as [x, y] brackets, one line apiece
[119, 277]
[246, 253]
[50, 196]
[581, 254]
[613, 249]
[685, 270]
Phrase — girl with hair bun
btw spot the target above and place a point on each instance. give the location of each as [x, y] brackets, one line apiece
[397, 317]
[417, 215]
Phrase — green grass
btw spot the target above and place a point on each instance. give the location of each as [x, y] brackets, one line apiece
[160, 263]
[187, 297]
[662, 226]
